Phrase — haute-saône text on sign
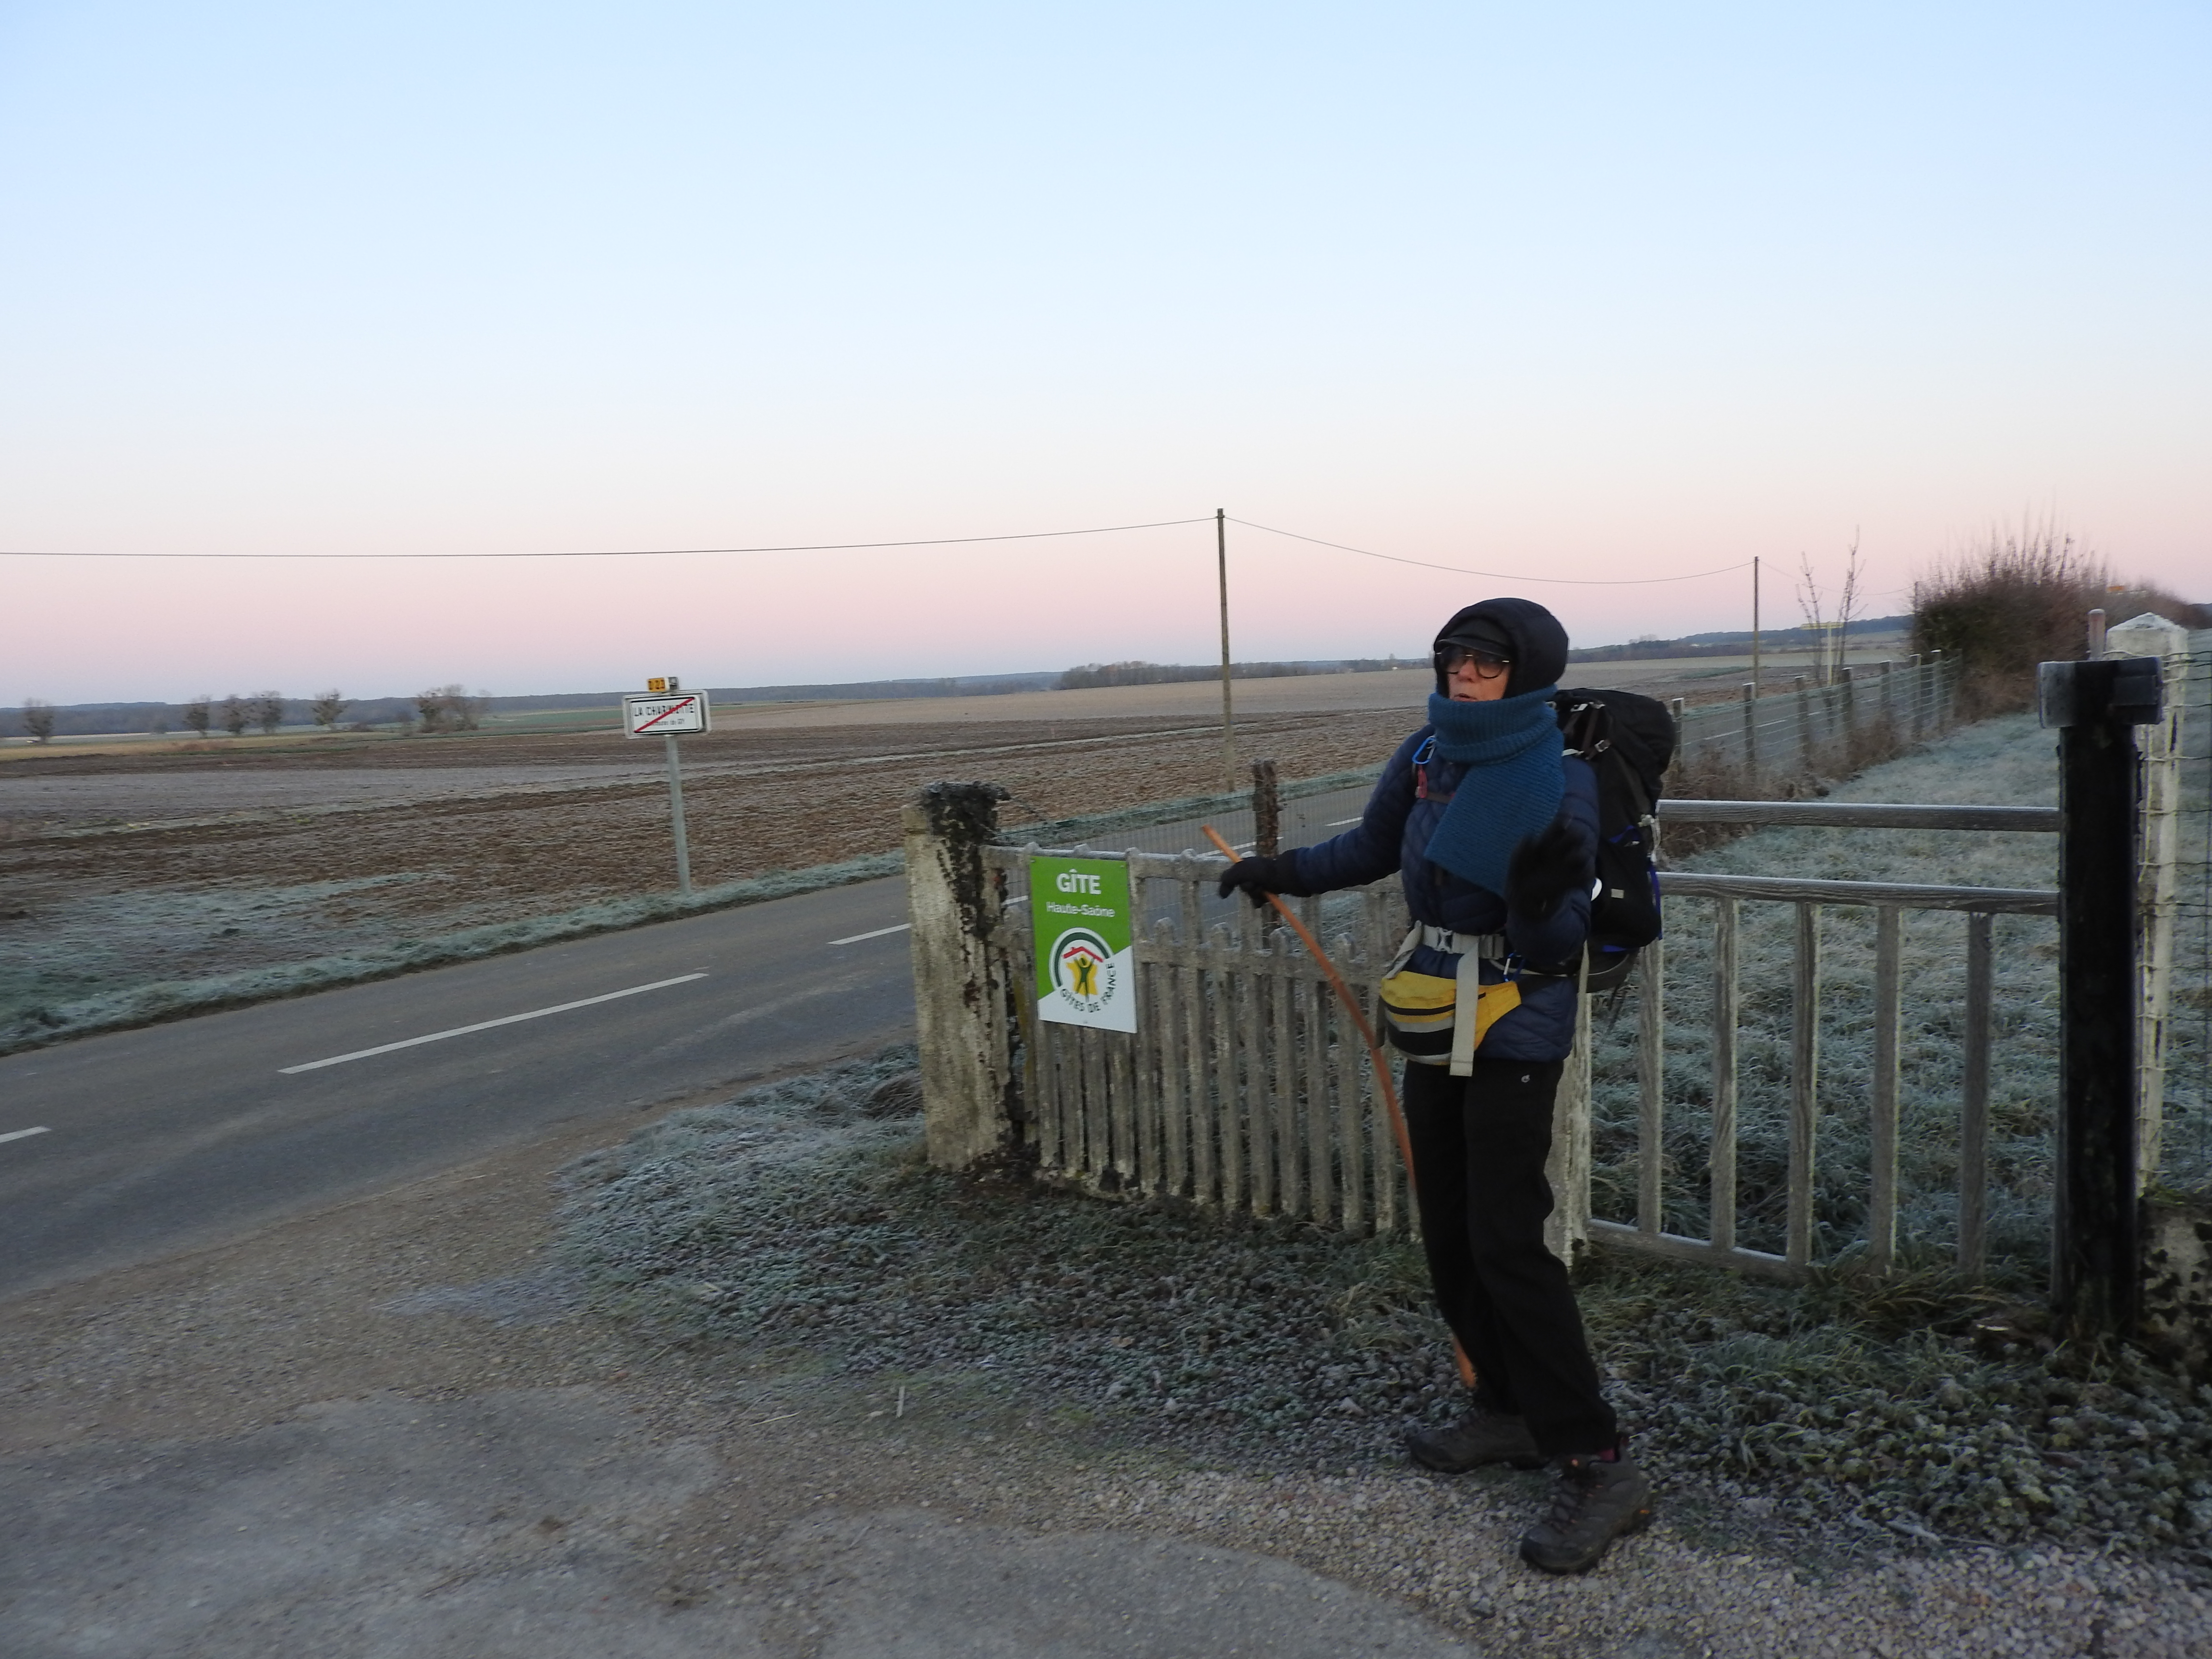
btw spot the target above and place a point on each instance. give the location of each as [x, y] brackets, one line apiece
[1086, 971]
[672, 714]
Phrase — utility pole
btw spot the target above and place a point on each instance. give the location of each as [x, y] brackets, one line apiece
[1227, 715]
[1755, 627]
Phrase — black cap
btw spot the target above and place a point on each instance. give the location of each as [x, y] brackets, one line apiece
[1480, 634]
[1520, 631]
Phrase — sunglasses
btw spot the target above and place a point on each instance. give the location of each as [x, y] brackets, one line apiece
[1487, 667]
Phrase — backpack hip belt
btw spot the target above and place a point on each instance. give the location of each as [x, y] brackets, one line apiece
[1437, 1021]
[1489, 947]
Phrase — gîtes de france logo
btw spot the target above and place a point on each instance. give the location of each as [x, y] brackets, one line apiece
[1083, 970]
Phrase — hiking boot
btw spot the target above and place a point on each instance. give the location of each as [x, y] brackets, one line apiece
[1480, 1436]
[1596, 1502]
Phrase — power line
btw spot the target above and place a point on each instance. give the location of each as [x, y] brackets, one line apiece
[629, 552]
[934, 541]
[1500, 575]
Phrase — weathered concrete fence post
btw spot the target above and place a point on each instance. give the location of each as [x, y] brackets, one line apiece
[2158, 843]
[963, 1004]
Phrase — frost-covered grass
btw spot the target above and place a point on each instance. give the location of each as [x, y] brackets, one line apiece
[114, 938]
[794, 1220]
[1897, 1408]
[789, 1216]
[2001, 762]
[2187, 1163]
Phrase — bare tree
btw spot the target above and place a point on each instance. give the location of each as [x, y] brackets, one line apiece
[451, 709]
[199, 712]
[327, 707]
[39, 719]
[1812, 603]
[237, 714]
[468, 711]
[1832, 634]
[269, 711]
[1847, 606]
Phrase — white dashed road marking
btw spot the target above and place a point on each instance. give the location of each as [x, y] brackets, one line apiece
[880, 933]
[18, 1135]
[486, 1024]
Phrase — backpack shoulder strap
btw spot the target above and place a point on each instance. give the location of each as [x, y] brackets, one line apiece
[1585, 726]
[1634, 785]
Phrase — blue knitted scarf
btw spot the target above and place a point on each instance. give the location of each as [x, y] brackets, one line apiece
[1512, 785]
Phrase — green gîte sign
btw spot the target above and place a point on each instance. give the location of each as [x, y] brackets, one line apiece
[1085, 972]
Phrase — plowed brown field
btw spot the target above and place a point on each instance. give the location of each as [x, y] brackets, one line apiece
[119, 868]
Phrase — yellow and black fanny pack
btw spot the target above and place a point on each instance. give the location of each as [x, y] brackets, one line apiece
[1437, 1021]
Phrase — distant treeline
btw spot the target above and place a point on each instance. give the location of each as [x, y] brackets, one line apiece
[1091, 675]
[1732, 644]
[382, 714]
[441, 709]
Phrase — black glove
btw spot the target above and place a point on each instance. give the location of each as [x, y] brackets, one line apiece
[1259, 878]
[1546, 866]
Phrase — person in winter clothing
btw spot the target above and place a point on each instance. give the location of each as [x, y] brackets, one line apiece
[1492, 832]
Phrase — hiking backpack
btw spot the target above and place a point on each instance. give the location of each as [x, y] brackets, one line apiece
[1628, 740]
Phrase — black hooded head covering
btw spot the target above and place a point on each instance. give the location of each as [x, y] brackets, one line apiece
[1514, 777]
[1520, 631]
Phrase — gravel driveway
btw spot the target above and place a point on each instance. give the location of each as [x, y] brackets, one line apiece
[388, 1428]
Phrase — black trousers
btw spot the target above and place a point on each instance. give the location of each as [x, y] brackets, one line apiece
[1479, 1143]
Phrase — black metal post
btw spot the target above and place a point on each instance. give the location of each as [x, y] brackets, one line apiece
[2095, 1244]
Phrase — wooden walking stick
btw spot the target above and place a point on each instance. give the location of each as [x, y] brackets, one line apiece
[1382, 1082]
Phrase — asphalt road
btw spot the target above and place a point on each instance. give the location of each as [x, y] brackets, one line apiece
[181, 1134]
[123, 1148]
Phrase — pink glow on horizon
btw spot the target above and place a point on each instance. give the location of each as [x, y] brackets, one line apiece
[1607, 295]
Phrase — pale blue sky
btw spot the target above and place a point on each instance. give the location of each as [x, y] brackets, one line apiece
[1599, 291]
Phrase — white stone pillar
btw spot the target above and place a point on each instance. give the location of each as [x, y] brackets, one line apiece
[2158, 845]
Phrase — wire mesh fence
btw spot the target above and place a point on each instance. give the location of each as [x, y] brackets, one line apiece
[1777, 745]
[1849, 1080]
[1752, 748]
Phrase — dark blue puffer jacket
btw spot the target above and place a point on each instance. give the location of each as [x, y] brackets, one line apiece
[1393, 836]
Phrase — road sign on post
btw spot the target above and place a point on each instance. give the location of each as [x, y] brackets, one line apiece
[670, 713]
